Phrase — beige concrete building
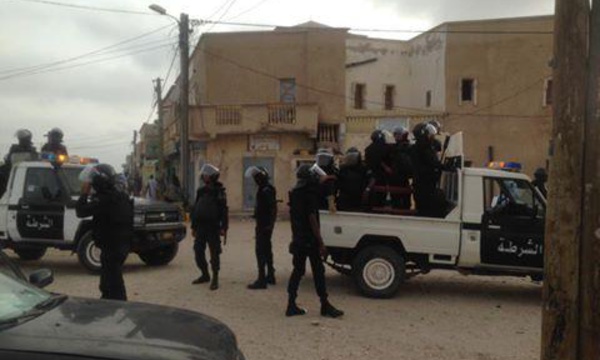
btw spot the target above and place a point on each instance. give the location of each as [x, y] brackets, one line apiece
[265, 98]
[489, 79]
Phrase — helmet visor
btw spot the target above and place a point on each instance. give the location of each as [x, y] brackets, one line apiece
[324, 159]
[208, 170]
[86, 175]
[251, 172]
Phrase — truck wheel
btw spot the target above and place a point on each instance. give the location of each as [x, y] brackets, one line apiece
[160, 256]
[378, 271]
[30, 253]
[88, 253]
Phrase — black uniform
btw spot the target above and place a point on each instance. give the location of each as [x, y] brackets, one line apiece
[376, 154]
[329, 187]
[403, 171]
[541, 186]
[112, 226]
[16, 153]
[427, 169]
[304, 201]
[55, 148]
[209, 218]
[265, 213]
[352, 182]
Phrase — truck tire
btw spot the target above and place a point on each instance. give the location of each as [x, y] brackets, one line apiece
[160, 256]
[30, 253]
[88, 253]
[378, 271]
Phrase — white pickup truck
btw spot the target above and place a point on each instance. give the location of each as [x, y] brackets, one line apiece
[494, 225]
[37, 211]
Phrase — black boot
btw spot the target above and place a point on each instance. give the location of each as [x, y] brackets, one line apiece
[214, 285]
[202, 279]
[271, 276]
[329, 311]
[258, 285]
[294, 310]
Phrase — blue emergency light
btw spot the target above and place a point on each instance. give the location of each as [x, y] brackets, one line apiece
[506, 166]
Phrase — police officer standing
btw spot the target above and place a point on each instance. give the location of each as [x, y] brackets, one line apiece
[377, 159]
[307, 242]
[112, 225]
[210, 221]
[328, 187]
[265, 214]
[23, 150]
[354, 182]
[427, 172]
[402, 166]
[54, 144]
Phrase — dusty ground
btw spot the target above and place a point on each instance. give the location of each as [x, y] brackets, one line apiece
[442, 315]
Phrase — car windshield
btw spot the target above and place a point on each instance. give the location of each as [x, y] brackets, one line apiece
[71, 179]
[17, 297]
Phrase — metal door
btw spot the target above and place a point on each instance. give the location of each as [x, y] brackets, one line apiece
[249, 187]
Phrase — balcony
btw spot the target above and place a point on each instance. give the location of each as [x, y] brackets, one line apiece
[213, 121]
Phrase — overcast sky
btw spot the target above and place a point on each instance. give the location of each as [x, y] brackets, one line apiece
[99, 98]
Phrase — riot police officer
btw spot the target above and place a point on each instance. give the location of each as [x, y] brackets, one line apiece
[402, 168]
[22, 151]
[265, 214]
[377, 159]
[210, 221]
[328, 187]
[112, 225]
[427, 168]
[307, 242]
[354, 182]
[540, 179]
[54, 144]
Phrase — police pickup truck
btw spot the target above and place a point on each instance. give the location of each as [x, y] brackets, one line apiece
[493, 225]
[37, 211]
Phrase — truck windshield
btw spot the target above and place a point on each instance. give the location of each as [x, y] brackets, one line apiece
[71, 179]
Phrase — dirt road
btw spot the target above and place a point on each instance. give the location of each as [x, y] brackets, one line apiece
[442, 315]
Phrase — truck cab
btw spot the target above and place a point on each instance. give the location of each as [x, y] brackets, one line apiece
[493, 225]
[37, 211]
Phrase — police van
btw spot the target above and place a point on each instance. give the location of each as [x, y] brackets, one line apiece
[37, 211]
[493, 225]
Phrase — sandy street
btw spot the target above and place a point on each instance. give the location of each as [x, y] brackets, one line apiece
[442, 315]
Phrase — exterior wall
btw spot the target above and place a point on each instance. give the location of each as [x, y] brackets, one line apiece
[228, 153]
[510, 70]
[245, 68]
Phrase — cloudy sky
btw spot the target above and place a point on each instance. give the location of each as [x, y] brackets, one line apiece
[90, 71]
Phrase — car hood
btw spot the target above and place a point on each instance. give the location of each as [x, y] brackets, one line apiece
[122, 330]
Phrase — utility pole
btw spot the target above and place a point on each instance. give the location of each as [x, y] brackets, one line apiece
[134, 160]
[589, 293]
[161, 142]
[184, 86]
[570, 289]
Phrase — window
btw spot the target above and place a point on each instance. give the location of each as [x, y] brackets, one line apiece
[548, 92]
[389, 96]
[41, 185]
[468, 91]
[359, 96]
[511, 197]
[287, 90]
[428, 98]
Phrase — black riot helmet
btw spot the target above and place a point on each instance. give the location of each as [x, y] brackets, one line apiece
[209, 173]
[24, 137]
[101, 176]
[258, 173]
[352, 157]
[55, 136]
[541, 175]
[309, 174]
[324, 158]
[377, 136]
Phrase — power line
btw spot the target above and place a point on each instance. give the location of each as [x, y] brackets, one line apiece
[25, 74]
[87, 7]
[91, 53]
[409, 31]
[175, 52]
[231, 3]
[252, 8]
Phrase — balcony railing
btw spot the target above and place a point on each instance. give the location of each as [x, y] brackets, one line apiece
[213, 121]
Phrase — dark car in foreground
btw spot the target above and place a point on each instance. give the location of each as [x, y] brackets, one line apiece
[36, 324]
